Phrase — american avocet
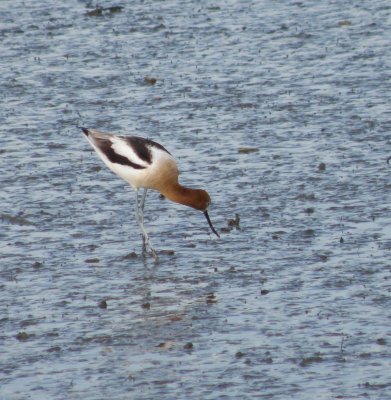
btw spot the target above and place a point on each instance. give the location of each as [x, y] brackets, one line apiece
[146, 164]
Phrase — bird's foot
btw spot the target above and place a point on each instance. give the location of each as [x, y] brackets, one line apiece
[147, 243]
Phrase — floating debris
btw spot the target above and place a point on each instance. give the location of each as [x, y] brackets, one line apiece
[306, 197]
[103, 304]
[38, 265]
[345, 22]
[165, 345]
[211, 298]
[130, 256]
[101, 11]
[175, 318]
[167, 252]
[54, 349]
[22, 336]
[146, 305]
[310, 360]
[322, 166]
[188, 346]
[15, 219]
[247, 150]
[92, 260]
[54, 146]
[308, 233]
[322, 257]
[234, 223]
[247, 105]
[149, 80]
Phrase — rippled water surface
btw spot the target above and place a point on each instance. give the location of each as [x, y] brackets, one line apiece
[281, 110]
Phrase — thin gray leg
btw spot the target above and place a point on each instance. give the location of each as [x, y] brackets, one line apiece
[142, 204]
[140, 220]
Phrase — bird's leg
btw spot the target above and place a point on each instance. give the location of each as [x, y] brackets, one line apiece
[140, 220]
[141, 211]
[143, 199]
[142, 204]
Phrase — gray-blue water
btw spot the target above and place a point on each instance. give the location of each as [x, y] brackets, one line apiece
[281, 110]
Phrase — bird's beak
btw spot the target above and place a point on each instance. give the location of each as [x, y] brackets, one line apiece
[210, 223]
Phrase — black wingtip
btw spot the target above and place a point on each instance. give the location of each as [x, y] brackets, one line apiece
[85, 131]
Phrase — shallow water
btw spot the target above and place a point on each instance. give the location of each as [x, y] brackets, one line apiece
[281, 111]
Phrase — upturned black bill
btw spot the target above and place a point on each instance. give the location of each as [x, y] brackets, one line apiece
[210, 224]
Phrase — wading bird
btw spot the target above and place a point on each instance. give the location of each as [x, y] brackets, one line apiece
[146, 164]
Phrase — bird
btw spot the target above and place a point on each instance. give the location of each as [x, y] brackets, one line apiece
[144, 163]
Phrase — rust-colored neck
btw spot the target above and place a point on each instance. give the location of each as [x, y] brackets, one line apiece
[195, 198]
